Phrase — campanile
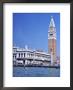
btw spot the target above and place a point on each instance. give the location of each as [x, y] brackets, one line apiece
[52, 40]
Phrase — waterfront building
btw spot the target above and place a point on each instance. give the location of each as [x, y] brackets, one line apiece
[26, 56]
[52, 40]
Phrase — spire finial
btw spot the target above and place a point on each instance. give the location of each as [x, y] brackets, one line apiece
[52, 24]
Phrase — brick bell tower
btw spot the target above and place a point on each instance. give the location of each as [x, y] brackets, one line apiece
[52, 40]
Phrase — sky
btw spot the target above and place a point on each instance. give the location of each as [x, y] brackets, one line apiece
[31, 29]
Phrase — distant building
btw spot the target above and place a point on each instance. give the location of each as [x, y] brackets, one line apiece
[58, 60]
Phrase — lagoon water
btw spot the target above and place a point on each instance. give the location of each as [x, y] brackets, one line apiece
[35, 72]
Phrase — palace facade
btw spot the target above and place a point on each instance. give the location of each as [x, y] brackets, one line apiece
[26, 56]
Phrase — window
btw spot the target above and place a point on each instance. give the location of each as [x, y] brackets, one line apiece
[14, 55]
[24, 54]
[19, 54]
[51, 34]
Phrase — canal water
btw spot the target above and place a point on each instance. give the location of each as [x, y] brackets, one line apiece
[36, 72]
